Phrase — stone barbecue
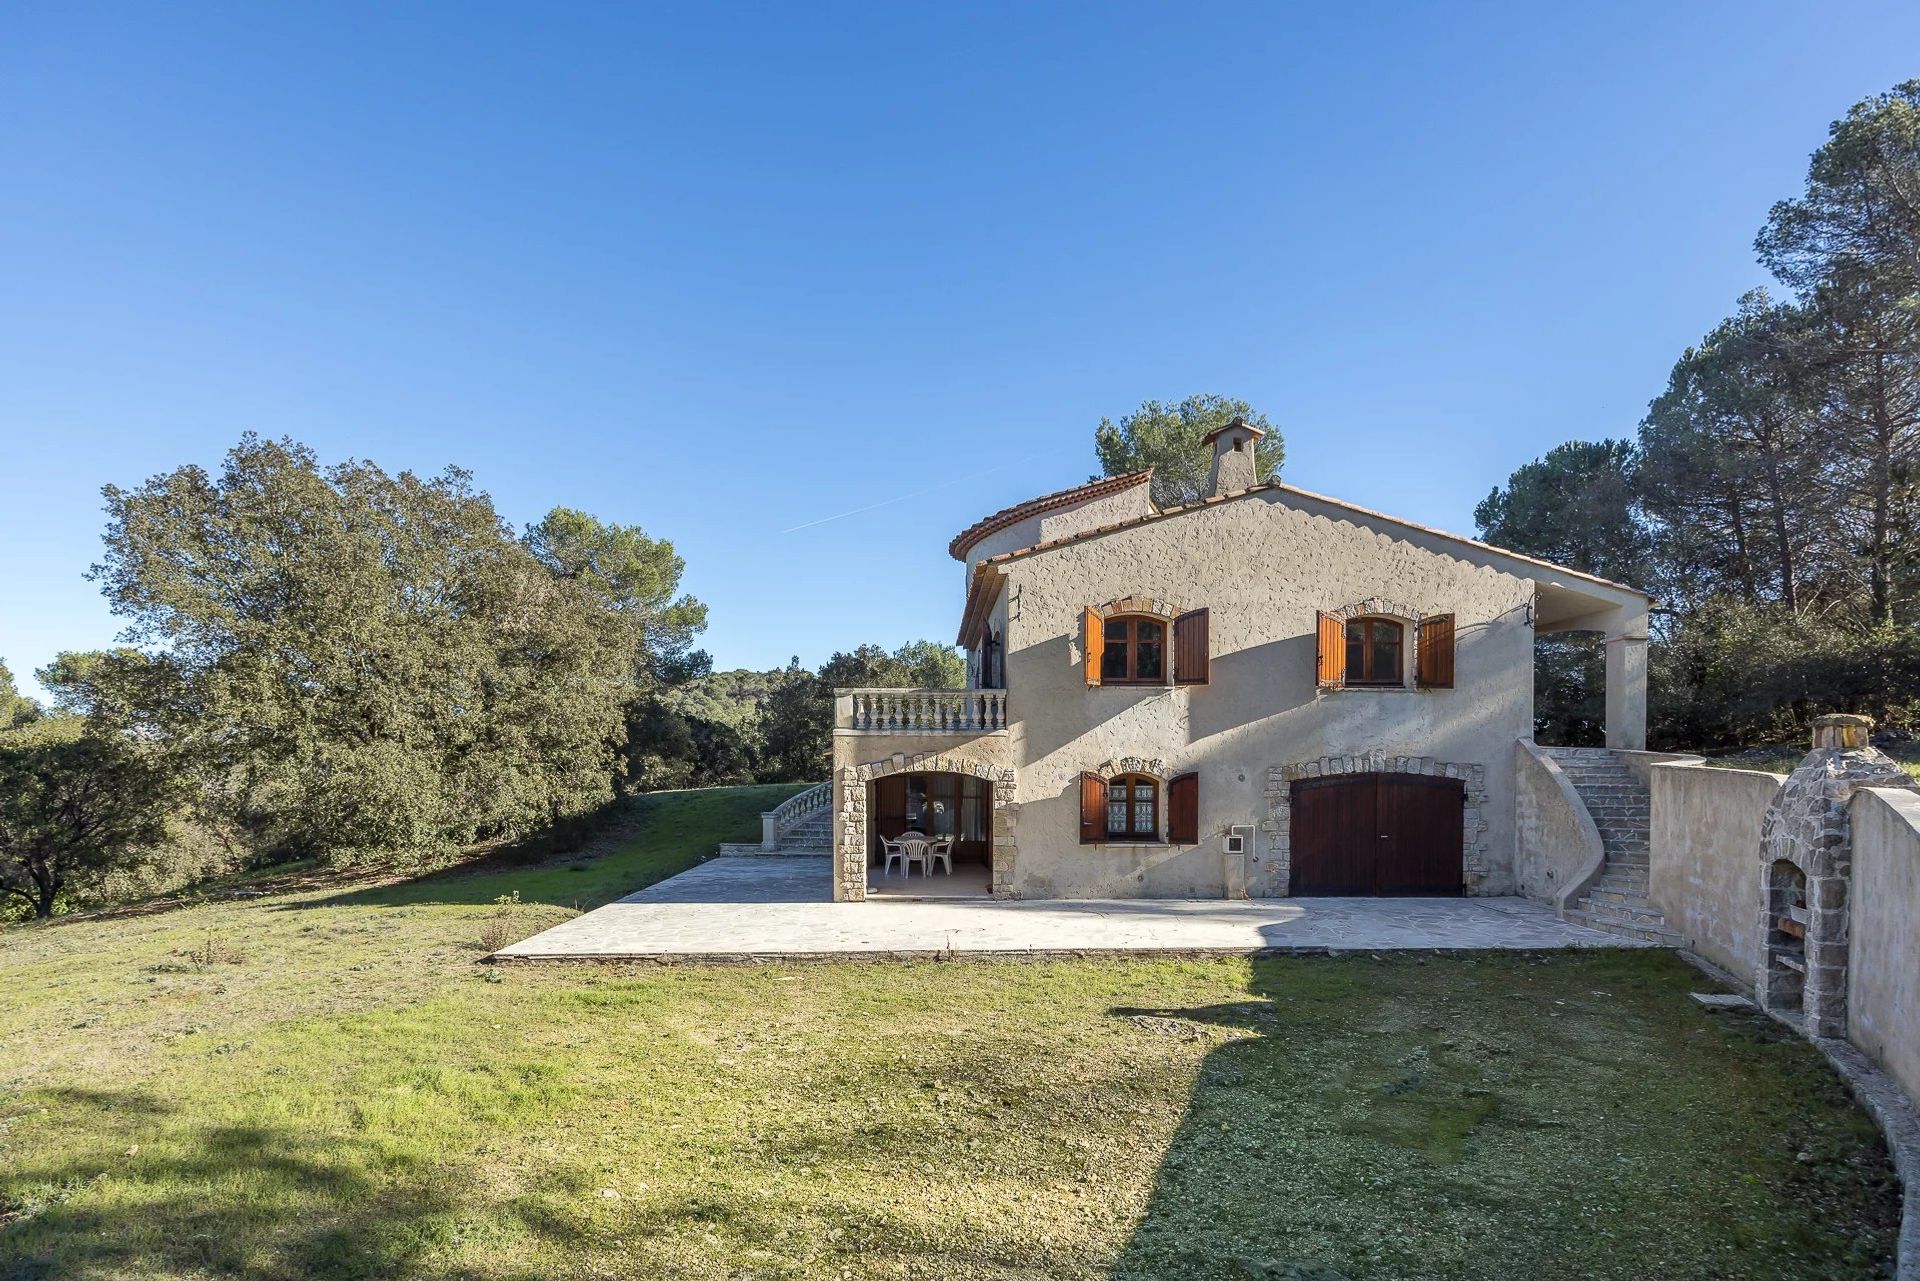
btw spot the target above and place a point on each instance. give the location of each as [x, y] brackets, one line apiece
[1806, 852]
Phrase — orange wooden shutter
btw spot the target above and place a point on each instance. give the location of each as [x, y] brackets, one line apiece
[1093, 639]
[1093, 809]
[1183, 810]
[1331, 662]
[1191, 645]
[1434, 669]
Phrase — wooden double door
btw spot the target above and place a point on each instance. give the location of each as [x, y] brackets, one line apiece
[958, 807]
[1376, 834]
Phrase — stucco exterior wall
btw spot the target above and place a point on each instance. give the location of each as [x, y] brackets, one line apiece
[1706, 874]
[1557, 848]
[1883, 988]
[1112, 509]
[1264, 570]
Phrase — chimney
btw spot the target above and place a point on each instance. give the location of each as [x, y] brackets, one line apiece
[1233, 465]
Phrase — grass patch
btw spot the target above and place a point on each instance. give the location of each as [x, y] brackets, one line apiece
[354, 1097]
[1782, 758]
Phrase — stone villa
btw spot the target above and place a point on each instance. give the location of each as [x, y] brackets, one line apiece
[1261, 694]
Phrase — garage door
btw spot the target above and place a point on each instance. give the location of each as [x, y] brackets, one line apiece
[1376, 834]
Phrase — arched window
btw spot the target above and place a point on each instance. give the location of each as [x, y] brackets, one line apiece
[1375, 650]
[1136, 651]
[1133, 808]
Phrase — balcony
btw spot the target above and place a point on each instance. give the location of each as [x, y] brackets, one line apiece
[921, 711]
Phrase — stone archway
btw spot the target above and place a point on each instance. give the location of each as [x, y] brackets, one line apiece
[1278, 824]
[850, 816]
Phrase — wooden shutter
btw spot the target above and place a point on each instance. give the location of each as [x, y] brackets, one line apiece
[1093, 639]
[1331, 661]
[1093, 809]
[1183, 810]
[1434, 669]
[1191, 645]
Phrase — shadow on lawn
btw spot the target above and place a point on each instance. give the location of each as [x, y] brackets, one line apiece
[1564, 1114]
[227, 1200]
[1190, 1229]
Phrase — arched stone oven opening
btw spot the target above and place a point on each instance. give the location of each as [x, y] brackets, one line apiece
[1787, 920]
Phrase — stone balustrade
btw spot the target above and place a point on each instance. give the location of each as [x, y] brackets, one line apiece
[921, 711]
[793, 811]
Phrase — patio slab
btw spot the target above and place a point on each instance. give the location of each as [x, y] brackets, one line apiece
[755, 909]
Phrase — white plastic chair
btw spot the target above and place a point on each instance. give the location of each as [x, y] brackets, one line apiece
[913, 849]
[943, 851]
[892, 851]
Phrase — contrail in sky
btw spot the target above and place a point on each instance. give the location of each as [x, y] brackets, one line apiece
[916, 493]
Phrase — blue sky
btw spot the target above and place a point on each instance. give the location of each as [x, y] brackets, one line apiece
[726, 271]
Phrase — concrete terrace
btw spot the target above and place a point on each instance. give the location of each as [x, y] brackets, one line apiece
[749, 909]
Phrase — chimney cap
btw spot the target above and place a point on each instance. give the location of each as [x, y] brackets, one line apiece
[1838, 729]
[1237, 424]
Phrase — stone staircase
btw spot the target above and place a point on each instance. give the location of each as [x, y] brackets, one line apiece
[1618, 803]
[812, 834]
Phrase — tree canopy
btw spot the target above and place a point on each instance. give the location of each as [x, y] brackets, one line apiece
[16, 709]
[1771, 499]
[375, 661]
[1169, 439]
[74, 803]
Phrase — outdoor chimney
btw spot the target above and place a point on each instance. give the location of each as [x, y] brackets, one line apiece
[1233, 465]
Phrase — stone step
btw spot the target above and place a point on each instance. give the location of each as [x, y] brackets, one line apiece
[1645, 933]
[1626, 913]
[1625, 900]
[1617, 876]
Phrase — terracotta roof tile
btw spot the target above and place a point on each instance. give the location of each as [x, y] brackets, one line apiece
[1275, 486]
[964, 541]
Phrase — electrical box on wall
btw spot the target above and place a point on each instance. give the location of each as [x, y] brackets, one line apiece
[1236, 842]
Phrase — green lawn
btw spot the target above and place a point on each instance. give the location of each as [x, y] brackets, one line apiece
[350, 1095]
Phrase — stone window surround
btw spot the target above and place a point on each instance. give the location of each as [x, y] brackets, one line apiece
[1277, 826]
[850, 817]
[1154, 768]
[1148, 605]
[1143, 606]
[1381, 607]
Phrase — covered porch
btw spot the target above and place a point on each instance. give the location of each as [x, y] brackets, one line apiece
[921, 772]
[1567, 603]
